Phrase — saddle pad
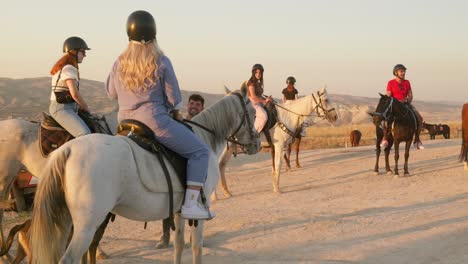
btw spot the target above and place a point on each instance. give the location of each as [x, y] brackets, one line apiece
[150, 170]
[52, 138]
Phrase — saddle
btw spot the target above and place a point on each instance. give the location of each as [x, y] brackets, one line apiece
[52, 135]
[272, 115]
[144, 137]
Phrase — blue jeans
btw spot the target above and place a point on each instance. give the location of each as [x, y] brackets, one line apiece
[67, 116]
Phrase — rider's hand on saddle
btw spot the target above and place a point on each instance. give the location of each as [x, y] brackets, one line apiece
[176, 115]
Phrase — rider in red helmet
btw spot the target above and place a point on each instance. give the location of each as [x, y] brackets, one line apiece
[400, 89]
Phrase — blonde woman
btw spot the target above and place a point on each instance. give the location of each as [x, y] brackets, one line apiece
[145, 85]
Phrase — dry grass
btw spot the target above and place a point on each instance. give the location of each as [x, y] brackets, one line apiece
[338, 137]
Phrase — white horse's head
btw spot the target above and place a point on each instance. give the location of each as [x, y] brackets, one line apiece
[245, 133]
[323, 106]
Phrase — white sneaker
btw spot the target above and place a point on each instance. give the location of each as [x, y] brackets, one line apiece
[383, 143]
[419, 145]
[197, 212]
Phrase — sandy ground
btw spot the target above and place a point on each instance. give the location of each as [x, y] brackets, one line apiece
[332, 210]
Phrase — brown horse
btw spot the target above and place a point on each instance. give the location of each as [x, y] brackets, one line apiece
[382, 131]
[439, 129]
[355, 137]
[287, 155]
[464, 146]
[24, 250]
[405, 125]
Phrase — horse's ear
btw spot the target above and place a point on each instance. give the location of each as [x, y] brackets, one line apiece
[226, 90]
[371, 113]
[381, 95]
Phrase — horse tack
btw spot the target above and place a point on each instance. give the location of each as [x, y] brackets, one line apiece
[52, 135]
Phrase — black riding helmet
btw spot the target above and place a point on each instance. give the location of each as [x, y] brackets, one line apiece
[291, 80]
[398, 67]
[257, 67]
[74, 43]
[141, 26]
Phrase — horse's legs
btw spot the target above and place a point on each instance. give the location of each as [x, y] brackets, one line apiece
[197, 242]
[166, 235]
[407, 149]
[273, 158]
[287, 157]
[82, 236]
[276, 175]
[397, 156]
[377, 156]
[178, 238]
[296, 146]
[387, 158]
[8, 172]
[225, 157]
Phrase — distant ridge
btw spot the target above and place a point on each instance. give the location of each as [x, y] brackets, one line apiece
[26, 98]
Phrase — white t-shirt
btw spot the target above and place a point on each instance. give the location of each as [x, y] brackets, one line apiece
[68, 72]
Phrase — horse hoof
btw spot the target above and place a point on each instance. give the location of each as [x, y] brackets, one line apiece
[101, 255]
[466, 166]
[406, 174]
[389, 172]
[277, 191]
[376, 173]
[298, 166]
[162, 245]
[227, 194]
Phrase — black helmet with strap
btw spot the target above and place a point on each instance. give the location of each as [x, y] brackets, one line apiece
[257, 66]
[398, 67]
[141, 26]
[74, 43]
[291, 80]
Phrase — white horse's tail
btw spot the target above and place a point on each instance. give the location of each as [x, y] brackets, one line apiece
[51, 219]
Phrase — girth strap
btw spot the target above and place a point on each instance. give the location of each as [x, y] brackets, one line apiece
[169, 185]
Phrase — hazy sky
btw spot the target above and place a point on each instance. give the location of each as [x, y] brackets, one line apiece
[350, 45]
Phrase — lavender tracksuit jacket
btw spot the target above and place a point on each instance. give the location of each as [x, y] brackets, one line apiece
[152, 107]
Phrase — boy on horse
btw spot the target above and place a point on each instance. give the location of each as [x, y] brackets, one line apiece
[400, 89]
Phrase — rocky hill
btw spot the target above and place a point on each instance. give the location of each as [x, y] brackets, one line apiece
[26, 98]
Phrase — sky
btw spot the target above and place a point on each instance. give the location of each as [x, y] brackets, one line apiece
[350, 46]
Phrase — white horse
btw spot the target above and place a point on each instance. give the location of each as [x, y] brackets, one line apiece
[94, 174]
[291, 115]
[19, 149]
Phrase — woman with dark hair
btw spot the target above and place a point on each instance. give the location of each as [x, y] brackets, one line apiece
[255, 88]
[65, 99]
[143, 81]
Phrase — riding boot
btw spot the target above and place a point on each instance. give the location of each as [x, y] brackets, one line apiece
[419, 144]
[268, 137]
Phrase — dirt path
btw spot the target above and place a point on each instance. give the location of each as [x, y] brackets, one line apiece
[333, 210]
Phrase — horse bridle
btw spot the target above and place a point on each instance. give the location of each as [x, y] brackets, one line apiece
[319, 104]
[388, 109]
[232, 138]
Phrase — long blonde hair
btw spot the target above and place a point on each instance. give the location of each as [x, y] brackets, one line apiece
[138, 67]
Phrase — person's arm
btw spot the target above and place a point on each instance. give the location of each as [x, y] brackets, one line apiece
[409, 97]
[253, 97]
[283, 99]
[296, 95]
[71, 84]
[171, 85]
